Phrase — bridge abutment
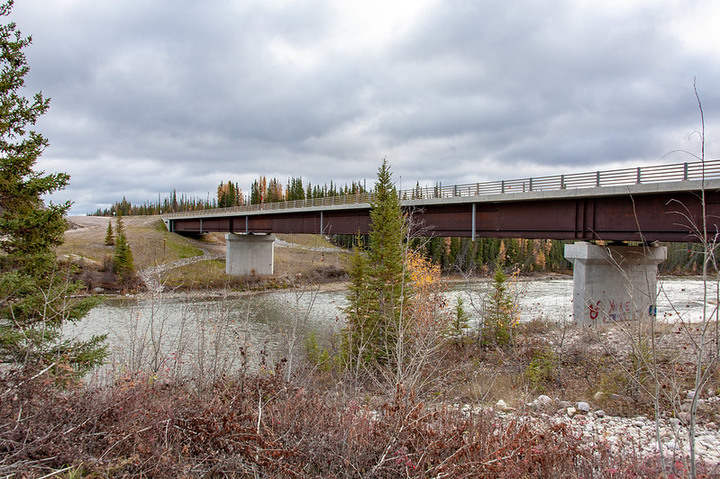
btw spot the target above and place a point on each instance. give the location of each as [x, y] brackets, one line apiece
[249, 254]
[614, 283]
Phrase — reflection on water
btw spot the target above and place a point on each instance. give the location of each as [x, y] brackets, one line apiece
[207, 337]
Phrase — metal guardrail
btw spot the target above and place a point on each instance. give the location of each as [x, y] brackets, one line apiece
[627, 176]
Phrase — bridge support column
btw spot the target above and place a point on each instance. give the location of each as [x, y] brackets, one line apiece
[614, 283]
[249, 254]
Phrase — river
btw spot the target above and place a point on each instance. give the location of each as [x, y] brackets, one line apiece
[174, 334]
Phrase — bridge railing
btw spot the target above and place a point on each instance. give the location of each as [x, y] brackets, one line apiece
[596, 179]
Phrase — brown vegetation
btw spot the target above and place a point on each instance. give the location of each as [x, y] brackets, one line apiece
[259, 425]
[263, 427]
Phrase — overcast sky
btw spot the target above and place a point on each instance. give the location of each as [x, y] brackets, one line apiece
[148, 96]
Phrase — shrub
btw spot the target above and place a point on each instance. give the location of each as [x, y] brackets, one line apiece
[501, 315]
[260, 426]
[541, 370]
[459, 328]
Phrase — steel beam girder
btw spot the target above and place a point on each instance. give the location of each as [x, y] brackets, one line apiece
[648, 217]
[329, 222]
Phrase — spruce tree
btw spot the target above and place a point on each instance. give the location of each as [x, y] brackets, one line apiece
[360, 335]
[36, 296]
[123, 263]
[500, 316]
[381, 276]
[386, 258]
[109, 236]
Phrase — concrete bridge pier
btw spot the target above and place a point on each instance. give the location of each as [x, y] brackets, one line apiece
[249, 254]
[614, 283]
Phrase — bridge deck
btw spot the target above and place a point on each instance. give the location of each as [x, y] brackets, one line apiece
[660, 203]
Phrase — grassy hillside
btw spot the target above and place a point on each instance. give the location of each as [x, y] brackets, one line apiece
[194, 263]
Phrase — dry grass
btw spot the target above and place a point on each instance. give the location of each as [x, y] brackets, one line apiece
[309, 259]
[260, 426]
[150, 242]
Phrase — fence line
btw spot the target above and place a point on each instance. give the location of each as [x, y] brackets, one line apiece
[596, 179]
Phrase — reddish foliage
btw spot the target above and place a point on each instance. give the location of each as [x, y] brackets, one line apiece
[262, 426]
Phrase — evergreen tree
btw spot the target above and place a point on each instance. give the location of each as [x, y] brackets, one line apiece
[36, 297]
[109, 236]
[378, 312]
[274, 191]
[295, 189]
[119, 225]
[258, 191]
[123, 208]
[360, 334]
[501, 315]
[229, 194]
[386, 255]
[123, 263]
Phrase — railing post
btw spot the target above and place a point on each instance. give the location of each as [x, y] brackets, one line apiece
[597, 179]
[531, 185]
[502, 186]
[562, 182]
[685, 171]
[638, 175]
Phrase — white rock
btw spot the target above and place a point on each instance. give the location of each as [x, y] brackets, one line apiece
[671, 445]
[571, 411]
[599, 413]
[501, 405]
[583, 407]
[544, 400]
[707, 440]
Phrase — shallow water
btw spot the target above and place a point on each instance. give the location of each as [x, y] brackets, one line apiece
[218, 334]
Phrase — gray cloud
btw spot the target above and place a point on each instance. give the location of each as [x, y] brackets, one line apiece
[153, 96]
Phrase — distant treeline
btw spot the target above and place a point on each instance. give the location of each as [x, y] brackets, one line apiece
[262, 190]
[452, 254]
[173, 203]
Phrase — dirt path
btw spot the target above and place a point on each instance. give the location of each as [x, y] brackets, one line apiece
[94, 228]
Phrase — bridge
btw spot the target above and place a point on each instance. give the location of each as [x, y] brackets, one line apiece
[654, 203]
[673, 203]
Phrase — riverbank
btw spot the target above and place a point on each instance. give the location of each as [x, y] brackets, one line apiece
[557, 400]
[559, 403]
